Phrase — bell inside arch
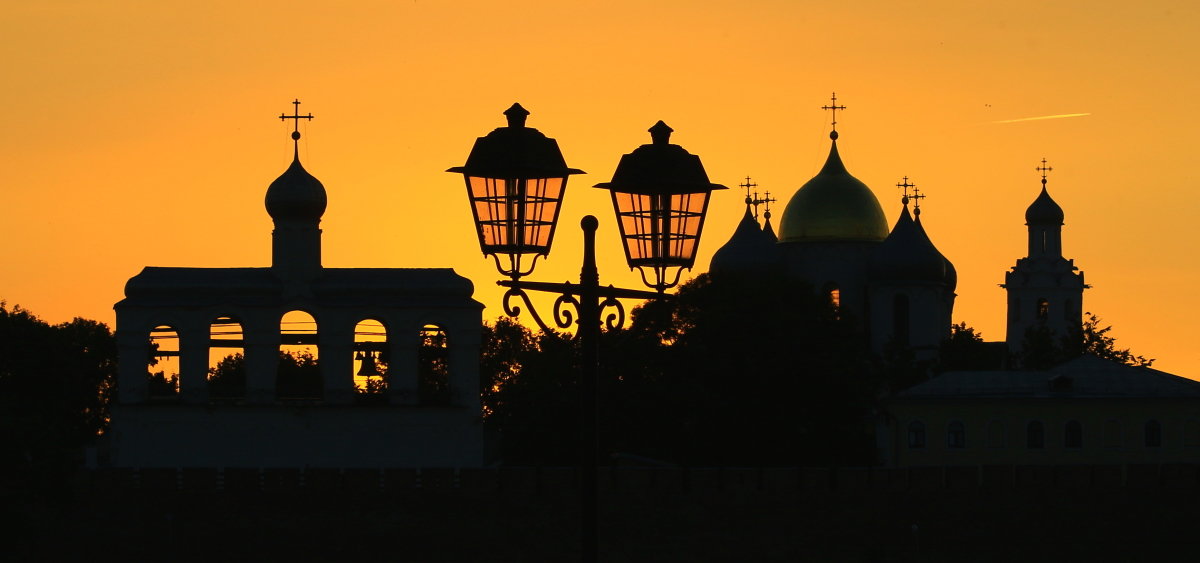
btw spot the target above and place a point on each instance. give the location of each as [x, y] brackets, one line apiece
[367, 366]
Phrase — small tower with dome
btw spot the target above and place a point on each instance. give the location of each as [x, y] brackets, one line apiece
[1045, 290]
[911, 286]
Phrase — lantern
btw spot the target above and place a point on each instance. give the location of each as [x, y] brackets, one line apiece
[660, 195]
[516, 178]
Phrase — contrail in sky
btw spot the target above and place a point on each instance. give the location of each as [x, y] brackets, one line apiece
[1060, 116]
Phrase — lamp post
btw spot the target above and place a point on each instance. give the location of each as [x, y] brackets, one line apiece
[516, 178]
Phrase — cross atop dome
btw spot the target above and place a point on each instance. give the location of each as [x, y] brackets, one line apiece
[833, 108]
[748, 185]
[767, 200]
[756, 201]
[905, 186]
[1043, 169]
[917, 196]
[296, 117]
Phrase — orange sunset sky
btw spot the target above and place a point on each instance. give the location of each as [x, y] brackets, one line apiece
[141, 133]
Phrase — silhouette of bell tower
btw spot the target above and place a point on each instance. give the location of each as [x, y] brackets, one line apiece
[296, 201]
[1045, 290]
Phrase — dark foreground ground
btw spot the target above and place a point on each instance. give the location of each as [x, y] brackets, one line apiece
[532, 515]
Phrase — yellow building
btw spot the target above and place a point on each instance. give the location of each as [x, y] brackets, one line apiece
[1086, 411]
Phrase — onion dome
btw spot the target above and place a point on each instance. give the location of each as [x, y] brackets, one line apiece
[907, 255]
[833, 206]
[1044, 210]
[296, 195]
[951, 276]
[768, 230]
[750, 249]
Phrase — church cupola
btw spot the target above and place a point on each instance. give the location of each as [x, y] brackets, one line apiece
[833, 206]
[1044, 217]
[296, 201]
[911, 285]
[751, 249]
[1045, 290]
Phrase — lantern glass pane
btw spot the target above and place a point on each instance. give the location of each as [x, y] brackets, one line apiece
[515, 216]
[660, 229]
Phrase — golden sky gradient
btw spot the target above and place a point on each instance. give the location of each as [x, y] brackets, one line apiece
[141, 133]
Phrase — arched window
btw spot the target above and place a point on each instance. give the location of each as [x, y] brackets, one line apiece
[1073, 434]
[226, 359]
[371, 360]
[299, 374]
[916, 434]
[900, 319]
[1191, 433]
[995, 434]
[163, 363]
[433, 366]
[1035, 435]
[1153, 433]
[1043, 309]
[956, 435]
[1112, 434]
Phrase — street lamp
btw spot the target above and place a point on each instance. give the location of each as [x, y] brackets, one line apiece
[516, 177]
[660, 193]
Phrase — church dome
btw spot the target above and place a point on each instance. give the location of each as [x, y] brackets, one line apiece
[908, 255]
[833, 206]
[1044, 210]
[296, 194]
[750, 249]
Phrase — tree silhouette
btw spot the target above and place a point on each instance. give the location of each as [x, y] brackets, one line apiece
[1043, 349]
[299, 376]
[56, 382]
[227, 379]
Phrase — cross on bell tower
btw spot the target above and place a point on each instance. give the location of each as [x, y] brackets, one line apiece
[296, 117]
[1043, 169]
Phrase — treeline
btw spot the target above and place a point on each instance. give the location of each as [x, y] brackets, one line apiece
[730, 371]
[56, 382]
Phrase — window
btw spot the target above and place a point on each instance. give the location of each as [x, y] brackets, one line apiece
[163, 363]
[956, 435]
[916, 434]
[299, 374]
[1191, 433]
[226, 359]
[371, 356]
[900, 319]
[995, 434]
[1073, 434]
[1153, 433]
[1035, 435]
[1112, 434]
[433, 371]
[1043, 309]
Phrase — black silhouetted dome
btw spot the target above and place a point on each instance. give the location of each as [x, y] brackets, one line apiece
[833, 206]
[769, 231]
[951, 277]
[1044, 210]
[750, 249]
[907, 255]
[296, 194]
